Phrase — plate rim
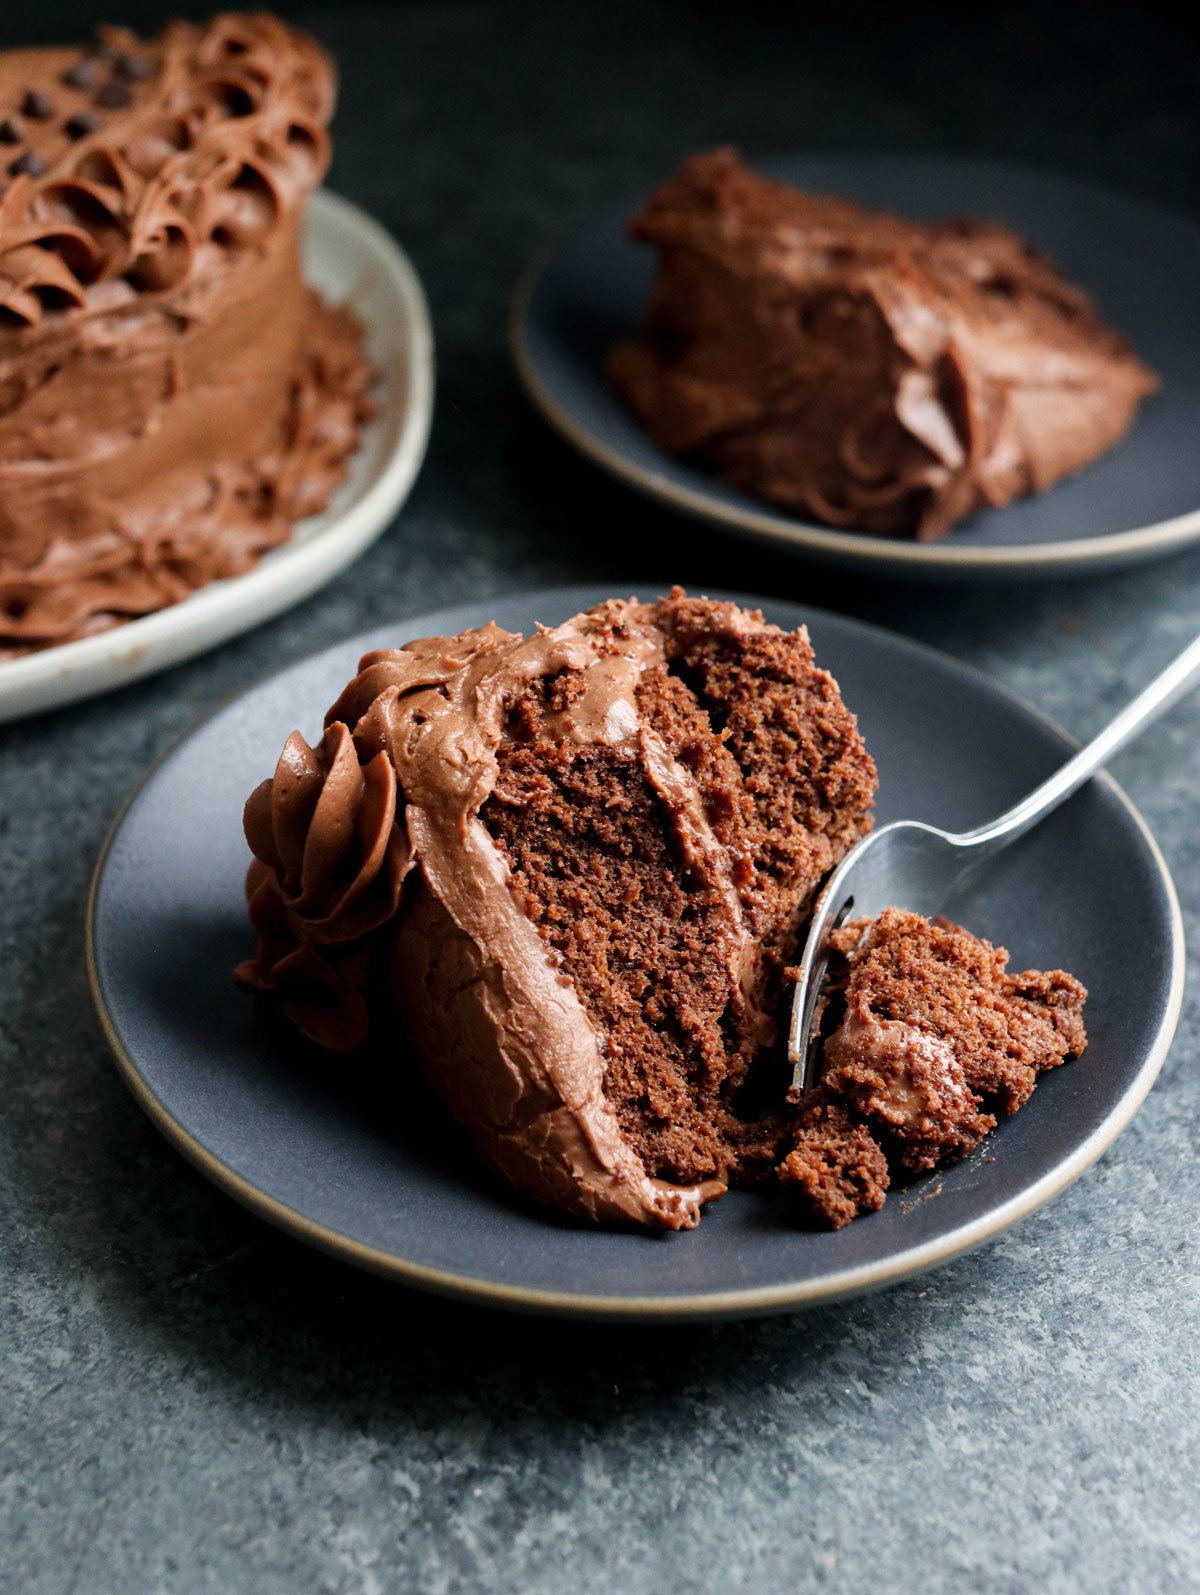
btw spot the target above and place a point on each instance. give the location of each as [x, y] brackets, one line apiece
[213, 614]
[583, 1305]
[872, 552]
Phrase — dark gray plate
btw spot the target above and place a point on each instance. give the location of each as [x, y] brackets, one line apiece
[1141, 262]
[340, 1154]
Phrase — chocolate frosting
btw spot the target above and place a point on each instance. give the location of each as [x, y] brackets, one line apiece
[874, 373]
[409, 758]
[172, 396]
[904, 1078]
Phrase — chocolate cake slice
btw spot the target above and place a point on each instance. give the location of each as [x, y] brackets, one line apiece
[574, 865]
[873, 373]
[931, 1039]
[573, 868]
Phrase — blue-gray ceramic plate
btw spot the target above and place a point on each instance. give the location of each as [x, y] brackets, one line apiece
[348, 1155]
[1140, 261]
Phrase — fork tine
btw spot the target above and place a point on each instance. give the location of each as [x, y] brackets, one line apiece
[803, 1043]
[802, 1037]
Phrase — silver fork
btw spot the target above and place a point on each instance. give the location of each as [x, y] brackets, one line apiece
[912, 865]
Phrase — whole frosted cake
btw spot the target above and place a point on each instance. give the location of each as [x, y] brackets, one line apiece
[173, 397]
[570, 870]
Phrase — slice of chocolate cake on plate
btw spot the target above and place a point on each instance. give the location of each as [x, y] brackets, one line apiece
[572, 869]
[873, 373]
[612, 832]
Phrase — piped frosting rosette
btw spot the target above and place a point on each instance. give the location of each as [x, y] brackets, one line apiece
[227, 131]
[331, 854]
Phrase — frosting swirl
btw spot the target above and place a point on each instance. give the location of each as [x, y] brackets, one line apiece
[331, 854]
[224, 136]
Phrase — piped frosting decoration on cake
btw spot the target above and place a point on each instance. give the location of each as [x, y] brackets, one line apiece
[215, 134]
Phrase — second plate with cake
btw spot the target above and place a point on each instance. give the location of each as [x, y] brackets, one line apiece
[1030, 386]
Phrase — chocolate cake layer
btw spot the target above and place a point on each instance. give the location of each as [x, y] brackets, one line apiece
[173, 397]
[588, 948]
[869, 372]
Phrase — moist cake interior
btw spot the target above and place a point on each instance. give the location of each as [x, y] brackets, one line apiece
[929, 1039]
[694, 1072]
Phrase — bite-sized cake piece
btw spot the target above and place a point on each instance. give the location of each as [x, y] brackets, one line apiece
[571, 867]
[173, 397]
[933, 1038]
[874, 373]
[835, 1163]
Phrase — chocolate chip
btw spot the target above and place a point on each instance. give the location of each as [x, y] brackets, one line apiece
[82, 123]
[99, 51]
[115, 96]
[82, 75]
[28, 165]
[38, 107]
[10, 133]
[133, 67]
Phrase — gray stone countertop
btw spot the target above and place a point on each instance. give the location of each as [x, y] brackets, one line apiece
[192, 1402]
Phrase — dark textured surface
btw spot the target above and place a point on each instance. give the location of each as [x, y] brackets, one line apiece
[189, 1402]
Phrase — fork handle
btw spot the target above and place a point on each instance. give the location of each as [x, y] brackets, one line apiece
[1167, 688]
